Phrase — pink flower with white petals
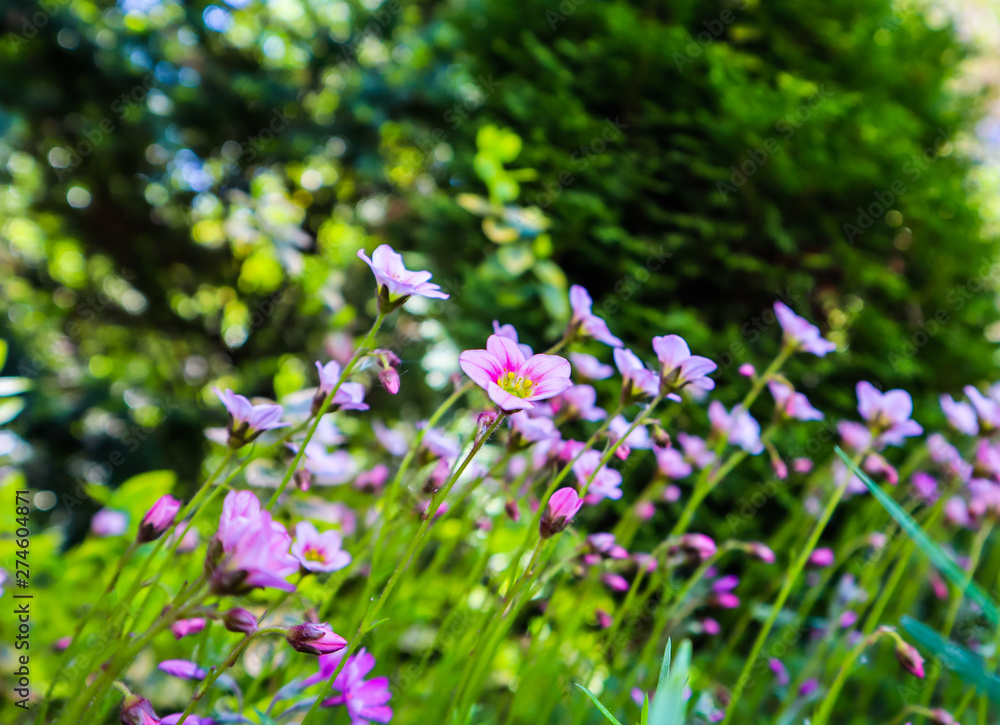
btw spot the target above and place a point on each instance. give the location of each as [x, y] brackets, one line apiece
[637, 380]
[586, 321]
[349, 396]
[590, 367]
[671, 463]
[578, 401]
[512, 380]
[739, 426]
[696, 451]
[319, 552]
[246, 420]
[678, 367]
[510, 332]
[396, 283]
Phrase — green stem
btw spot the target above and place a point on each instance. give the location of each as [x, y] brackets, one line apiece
[786, 589]
[348, 369]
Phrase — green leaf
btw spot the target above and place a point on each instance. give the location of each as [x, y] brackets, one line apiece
[10, 409]
[645, 709]
[604, 710]
[970, 667]
[13, 386]
[3, 353]
[669, 706]
[944, 563]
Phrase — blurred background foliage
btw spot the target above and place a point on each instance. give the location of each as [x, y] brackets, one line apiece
[184, 187]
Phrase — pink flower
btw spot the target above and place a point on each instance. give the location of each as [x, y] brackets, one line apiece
[961, 416]
[678, 367]
[238, 619]
[183, 627]
[396, 283]
[511, 380]
[637, 380]
[725, 583]
[987, 409]
[314, 639]
[562, 507]
[909, 658]
[710, 626]
[590, 367]
[888, 414]
[158, 519]
[578, 401]
[726, 600]
[761, 551]
[191, 720]
[791, 404]
[510, 332]
[372, 480]
[808, 687]
[319, 552]
[249, 550]
[604, 619]
[802, 465]
[747, 370]
[329, 469]
[138, 711]
[246, 420]
[108, 522]
[532, 430]
[848, 618]
[184, 669]
[739, 426]
[586, 321]
[365, 700]
[615, 582]
[800, 334]
[671, 463]
[349, 396]
[393, 441]
[696, 451]
[606, 481]
[672, 493]
[698, 544]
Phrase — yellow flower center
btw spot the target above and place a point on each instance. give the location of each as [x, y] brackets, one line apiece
[314, 555]
[517, 386]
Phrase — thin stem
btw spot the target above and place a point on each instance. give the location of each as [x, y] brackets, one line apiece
[360, 353]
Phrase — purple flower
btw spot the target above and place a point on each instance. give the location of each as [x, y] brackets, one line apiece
[808, 687]
[586, 321]
[183, 627]
[396, 283]
[578, 401]
[780, 673]
[511, 380]
[854, 436]
[888, 414]
[392, 440]
[349, 396]
[961, 416]
[184, 669]
[671, 463]
[590, 367]
[848, 619]
[365, 700]
[108, 522]
[191, 720]
[329, 469]
[725, 583]
[249, 550]
[319, 552]
[696, 451]
[637, 380]
[791, 404]
[314, 639]
[801, 334]
[562, 507]
[440, 445]
[246, 420]
[987, 409]
[372, 480]
[158, 519]
[606, 481]
[739, 427]
[678, 367]
[532, 430]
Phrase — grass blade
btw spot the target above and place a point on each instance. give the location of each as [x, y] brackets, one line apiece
[944, 563]
[604, 710]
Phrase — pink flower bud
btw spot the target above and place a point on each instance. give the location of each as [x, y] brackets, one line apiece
[158, 519]
[389, 378]
[802, 465]
[780, 468]
[563, 506]
[941, 717]
[315, 639]
[513, 512]
[821, 558]
[137, 711]
[761, 551]
[698, 544]
[184, 669]
[672, 493]
[710, 626]
[848, 618]
[909, 658]
[808, 687]
[645, 510]
[747, 370]
[604, 619]
[183, 627]
[726, 600]
[238, 619]
[780, 673]
[615, 582]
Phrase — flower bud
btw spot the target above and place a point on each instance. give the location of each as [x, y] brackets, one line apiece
[563, 506]
[238, 619]
[513, 512]
[698, 544]
[158, 519]
[389, 379]
[604, 619]
[137, 711]
[909, 658]
[302, 479]
[183, 627]
[941, 717]
[821, 558]
[315, 639]
[747, 370]
[761, 551]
